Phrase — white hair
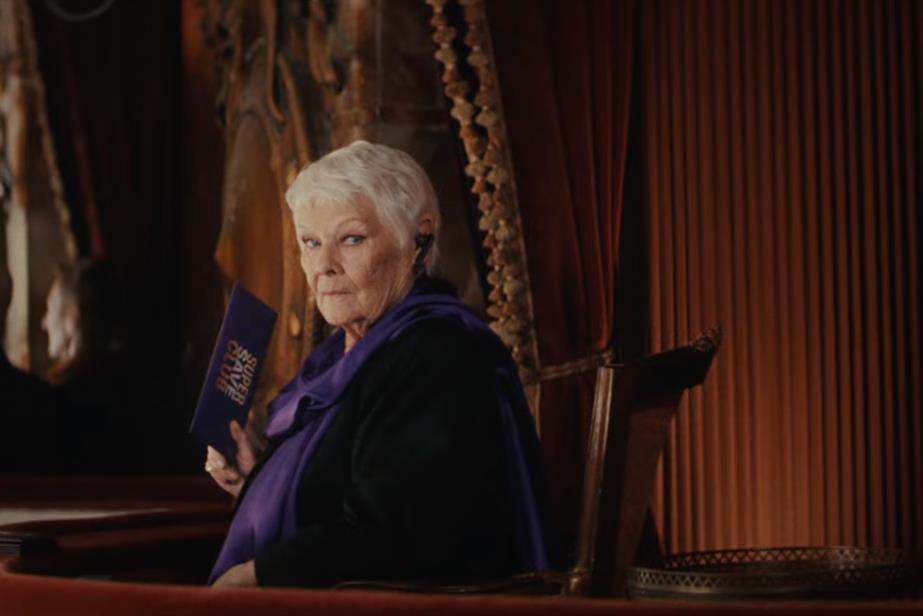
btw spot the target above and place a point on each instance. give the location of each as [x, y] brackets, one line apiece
[391, 179]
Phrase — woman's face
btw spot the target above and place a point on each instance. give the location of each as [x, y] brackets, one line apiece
[353, 263]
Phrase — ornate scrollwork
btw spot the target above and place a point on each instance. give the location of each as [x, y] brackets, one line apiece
[261, 109]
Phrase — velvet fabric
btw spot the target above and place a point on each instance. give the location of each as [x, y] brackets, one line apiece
[565, 74]
[112, 93]
[783, 149]
[303, 411]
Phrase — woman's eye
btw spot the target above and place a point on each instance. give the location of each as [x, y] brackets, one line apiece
[309, 243]
[352, 240]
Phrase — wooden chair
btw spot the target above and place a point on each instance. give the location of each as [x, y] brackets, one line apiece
[633, 407]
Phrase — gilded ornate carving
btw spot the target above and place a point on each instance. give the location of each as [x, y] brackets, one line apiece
[341, 50]
[24, 190]
[319, 55]
[19, 79]
[298, 79]
[271, 21]
[477, 108]
[261, 109]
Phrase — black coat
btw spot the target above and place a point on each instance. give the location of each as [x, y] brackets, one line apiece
[409, 481]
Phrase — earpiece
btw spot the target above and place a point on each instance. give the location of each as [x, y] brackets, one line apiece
[424, 242]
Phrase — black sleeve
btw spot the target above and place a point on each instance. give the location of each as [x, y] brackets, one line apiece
[427, 499]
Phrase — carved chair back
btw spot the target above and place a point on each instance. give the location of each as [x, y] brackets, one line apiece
[634, 405]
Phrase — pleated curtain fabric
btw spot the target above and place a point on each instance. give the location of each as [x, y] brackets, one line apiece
[565, 71]
[781, 160]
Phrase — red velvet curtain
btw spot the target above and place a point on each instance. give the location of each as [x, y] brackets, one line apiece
[782, 155]
[113, 95]
[565, 72]
[112, 90]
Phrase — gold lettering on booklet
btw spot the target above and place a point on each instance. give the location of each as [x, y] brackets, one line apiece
[236, 373]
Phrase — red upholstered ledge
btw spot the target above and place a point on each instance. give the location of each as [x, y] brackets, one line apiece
[29, 595]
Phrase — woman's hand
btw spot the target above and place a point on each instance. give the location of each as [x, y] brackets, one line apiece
[243, 574]
[231, 477]
[247, 447]
[226, 476]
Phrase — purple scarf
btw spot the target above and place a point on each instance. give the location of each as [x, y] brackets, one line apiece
[300, 415]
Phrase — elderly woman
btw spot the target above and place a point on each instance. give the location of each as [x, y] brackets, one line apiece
[404, 448]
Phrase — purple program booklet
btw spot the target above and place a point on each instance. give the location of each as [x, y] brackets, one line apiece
[233, 370]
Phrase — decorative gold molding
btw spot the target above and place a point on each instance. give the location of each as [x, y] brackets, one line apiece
[254, 70]
[478, 109]
[27, 194]
[48, 149]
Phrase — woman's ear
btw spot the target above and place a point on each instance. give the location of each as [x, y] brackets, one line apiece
[426, 225]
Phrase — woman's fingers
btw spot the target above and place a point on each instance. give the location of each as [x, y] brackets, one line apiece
[214, 459]
[246, 456]
[238, 434]
[226, 476]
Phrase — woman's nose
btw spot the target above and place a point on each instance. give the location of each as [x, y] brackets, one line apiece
[325, 260]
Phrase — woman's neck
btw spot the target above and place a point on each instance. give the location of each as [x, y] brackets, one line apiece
[354, 333]
[357, 329]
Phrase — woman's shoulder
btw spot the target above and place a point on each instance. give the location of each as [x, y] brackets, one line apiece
[433, 337]
[433, 349]
[436, 367]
